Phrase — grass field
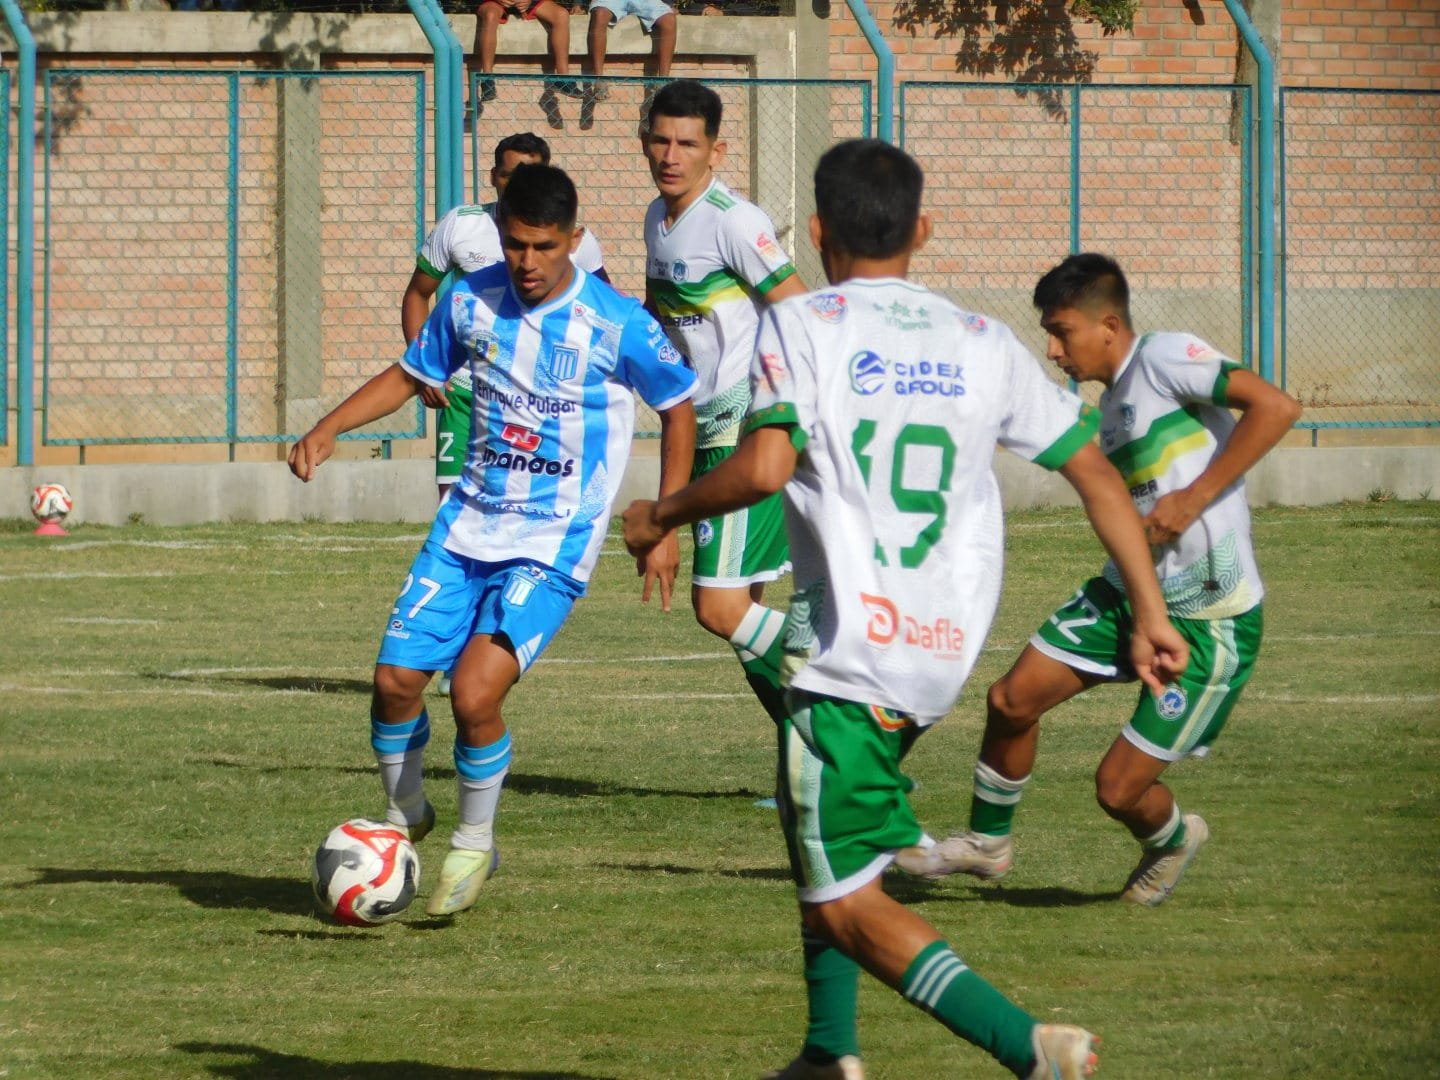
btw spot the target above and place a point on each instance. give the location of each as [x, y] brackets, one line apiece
[184, 716]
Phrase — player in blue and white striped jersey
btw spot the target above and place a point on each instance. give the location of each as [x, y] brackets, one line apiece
[555, 357]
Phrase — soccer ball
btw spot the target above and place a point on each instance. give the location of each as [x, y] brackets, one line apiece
[51, 503]
[365, 872]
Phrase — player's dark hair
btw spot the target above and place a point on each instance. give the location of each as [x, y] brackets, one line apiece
[1087, 281]
[539, 195]
[522, 142]
[686, 97]
[867, 194]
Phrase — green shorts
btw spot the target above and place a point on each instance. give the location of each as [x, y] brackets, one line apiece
[742, 548]
[842, 796]
[452, 434]
[1092, 634]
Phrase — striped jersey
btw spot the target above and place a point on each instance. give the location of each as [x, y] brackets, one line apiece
[897, 399]
[1163, 418]
[554, 411]
[466, 238]
[705, 275]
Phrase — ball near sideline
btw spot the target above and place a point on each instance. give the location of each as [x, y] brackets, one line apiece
[51, 503]
[365, 872]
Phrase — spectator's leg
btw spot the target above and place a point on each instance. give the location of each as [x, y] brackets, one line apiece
[662, 43]
[596, 38]
[482, 56]
[556, 20]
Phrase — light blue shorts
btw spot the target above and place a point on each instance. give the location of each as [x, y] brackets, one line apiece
[648, 11]
[447, 599]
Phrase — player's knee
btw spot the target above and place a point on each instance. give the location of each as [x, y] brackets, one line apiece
[1115, 792]
[1006, 711]
[831, 921]
[720, 614]
[397, 690]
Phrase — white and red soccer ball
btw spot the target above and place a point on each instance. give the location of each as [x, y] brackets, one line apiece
[365, 873]
[51, 503]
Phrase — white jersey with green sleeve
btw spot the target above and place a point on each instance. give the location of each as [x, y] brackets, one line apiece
[897, 399]
[466, 239]
[705, 275]
[1163, 418]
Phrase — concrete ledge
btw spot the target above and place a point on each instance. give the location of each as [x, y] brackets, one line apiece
[405, 490]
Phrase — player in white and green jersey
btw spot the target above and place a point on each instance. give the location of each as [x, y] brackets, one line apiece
[712, 264]
[877, 406]
[466, 239]
[1166, 424]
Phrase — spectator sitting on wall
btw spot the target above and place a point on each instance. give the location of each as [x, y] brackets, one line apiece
[556, 20]
[657, 19]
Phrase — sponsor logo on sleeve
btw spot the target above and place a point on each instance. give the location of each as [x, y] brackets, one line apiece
[668, 354]
[867, 373]
[773, 365]
[1198, 350]
[767, 247]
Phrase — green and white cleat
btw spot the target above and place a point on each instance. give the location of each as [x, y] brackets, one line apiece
[1063, 1052]
[1160, 871]
[842, 1068]
[460, 879]
[977, 854]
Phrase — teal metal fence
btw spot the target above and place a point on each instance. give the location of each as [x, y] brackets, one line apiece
[1158, 176]
[213, 246]
[5, 265]
[1360, 289]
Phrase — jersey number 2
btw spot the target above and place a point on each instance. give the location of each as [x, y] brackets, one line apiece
[909, 500]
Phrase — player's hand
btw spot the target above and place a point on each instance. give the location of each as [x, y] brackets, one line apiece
[660, 564]
[307, 454]
[642, 531]
[1158, 653]
[434, 397]
[1171, 515]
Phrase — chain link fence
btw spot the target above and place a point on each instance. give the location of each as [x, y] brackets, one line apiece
[1017, 176]
[1360, 290]
[218, 246]
[774, 131]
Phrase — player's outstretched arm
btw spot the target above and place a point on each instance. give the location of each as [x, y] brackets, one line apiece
[677, 450]
[414, 310]
[379, 397]
[1266, 414]
[1157, 650]
[761, 465]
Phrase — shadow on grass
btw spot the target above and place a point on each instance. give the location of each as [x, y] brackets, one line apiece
[909, 890]
[209, 889]
[768, 873]
[308, 684]
[515, 783]
[262, 1064]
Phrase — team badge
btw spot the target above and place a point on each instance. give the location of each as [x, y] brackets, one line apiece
[1127, 416]
[486, 348]
[668, 354]
[976, 324]
[704, 534]
[1171, 704]
[678, 271]
[867, 373]
[829, 306]
[564, 362]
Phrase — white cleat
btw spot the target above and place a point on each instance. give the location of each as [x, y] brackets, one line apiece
[460, 879]
[1159, 872]
[1063, 1052]
[977, 854]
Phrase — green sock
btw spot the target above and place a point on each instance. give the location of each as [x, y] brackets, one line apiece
[939, 982]
[1170, 835]
[996, 798]
[832, 986]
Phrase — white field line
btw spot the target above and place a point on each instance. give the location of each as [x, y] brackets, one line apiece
[77, 575]
[174, 545]
[102, 621]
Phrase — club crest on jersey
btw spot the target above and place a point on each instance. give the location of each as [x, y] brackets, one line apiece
[976, 324]
[668, 354]
[522, 438]
[678, 270]
[867, 373]
[704, 534]
[1127, 416]
[564, 362]
[1171, 704]
[829, 306]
